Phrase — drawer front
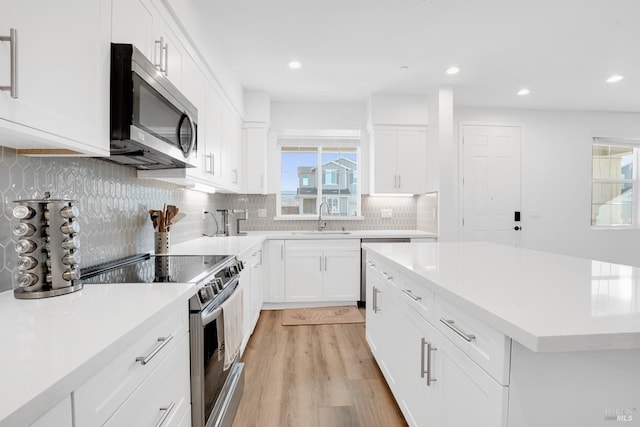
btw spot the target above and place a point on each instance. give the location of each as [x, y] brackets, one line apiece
[97, 399]
[418, 298]
[163, 397]
[484, 345]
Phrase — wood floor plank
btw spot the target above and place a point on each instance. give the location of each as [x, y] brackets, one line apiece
[313, 376]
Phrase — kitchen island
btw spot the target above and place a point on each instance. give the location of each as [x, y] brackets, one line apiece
[484, 334]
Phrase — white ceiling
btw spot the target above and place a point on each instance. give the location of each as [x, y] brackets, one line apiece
[562, 50]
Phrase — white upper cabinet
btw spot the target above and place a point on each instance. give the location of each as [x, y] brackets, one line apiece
[132, 23]
[61, 69]
[140, 23]
[398, 160]
[255, 149]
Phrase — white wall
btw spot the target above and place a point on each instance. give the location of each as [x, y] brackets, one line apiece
[556, 179]
[315, 116]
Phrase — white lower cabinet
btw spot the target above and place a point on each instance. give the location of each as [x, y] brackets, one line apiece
[149, 380]
[382, 324]
[163, 398]
[59, 416]
[274, 285]
[434, 381]
[251, 284]
[322, 270]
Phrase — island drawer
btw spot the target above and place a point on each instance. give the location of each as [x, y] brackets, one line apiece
[486, 346]
[419, 298]
[98, 398]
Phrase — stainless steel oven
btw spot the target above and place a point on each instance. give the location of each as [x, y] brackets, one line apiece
[215, 391]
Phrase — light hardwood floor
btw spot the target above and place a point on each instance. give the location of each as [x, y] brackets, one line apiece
[313, 376]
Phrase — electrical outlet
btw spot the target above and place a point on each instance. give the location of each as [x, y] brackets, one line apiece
[386, 213]
[262, 213]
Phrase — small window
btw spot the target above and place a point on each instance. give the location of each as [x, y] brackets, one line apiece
[316, 170]
[614, 180]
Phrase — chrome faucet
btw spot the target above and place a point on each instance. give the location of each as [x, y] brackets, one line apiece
[322, 225]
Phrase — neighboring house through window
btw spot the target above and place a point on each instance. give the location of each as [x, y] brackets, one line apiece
[317, 168]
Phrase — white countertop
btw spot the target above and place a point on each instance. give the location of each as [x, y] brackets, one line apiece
[51, 346]
[237, 245]
[546, 302]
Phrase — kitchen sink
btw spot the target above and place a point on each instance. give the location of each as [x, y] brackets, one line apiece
[318, 233]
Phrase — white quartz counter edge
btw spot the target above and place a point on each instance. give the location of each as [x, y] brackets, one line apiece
[241, 245]
[51, 346]
[557, 341]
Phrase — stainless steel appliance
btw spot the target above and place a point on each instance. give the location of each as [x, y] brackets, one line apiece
[47, 247]
[153, 126]
[215, 392]
[363, 262]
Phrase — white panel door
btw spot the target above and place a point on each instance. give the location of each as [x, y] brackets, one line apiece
[491, 184]
[384, 178]
[468, 396]
[341, 275]
[303, 272]
[411, 159]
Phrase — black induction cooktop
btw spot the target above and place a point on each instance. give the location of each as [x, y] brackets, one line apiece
[147, 268]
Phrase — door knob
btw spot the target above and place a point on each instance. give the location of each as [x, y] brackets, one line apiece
[517, 228]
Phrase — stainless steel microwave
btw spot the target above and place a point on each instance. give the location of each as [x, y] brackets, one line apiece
[153, 126]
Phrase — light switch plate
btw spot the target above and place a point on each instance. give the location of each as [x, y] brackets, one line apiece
[386, 213]
[262, 213]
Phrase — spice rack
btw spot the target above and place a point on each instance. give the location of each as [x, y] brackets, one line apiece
[47, 247]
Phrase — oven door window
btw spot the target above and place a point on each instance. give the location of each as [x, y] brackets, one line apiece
[214, 373]
[153, 113]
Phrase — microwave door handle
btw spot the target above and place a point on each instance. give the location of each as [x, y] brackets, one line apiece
[193, 132]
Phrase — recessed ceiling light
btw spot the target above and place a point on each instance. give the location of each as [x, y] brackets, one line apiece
[404, 67]
[295, 65]
[615, 78]
[453, 70]
[524, 91]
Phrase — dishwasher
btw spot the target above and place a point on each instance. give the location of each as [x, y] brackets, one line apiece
[363, 262]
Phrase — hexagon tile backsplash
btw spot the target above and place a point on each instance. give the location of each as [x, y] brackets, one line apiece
[113, 203]
[114, 206]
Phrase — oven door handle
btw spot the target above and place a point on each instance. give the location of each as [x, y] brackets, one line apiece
[208, 316]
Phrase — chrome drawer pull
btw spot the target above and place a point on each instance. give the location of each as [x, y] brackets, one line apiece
[408, 292]
[466, 337]
[13, 46]
[167, 410]
[162, 341]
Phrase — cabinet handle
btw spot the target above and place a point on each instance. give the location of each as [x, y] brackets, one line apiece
[450, 324]
[13, 46]
[320, 257]
[167, 410]
[430, 348]
[408, 292]
[375, 300]
[157, 53]
[395, 181]
[423, 371]
[325, 263]
[162, 341]
[213, 163]
[399, 181]
[235, 174]
[166, 59]
[387, 276]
